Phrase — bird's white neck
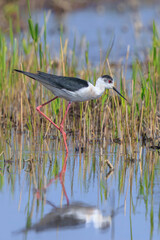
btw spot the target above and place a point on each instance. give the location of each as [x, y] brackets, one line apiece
[99, 88]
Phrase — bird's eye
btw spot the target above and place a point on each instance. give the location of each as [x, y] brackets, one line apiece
[110, 81]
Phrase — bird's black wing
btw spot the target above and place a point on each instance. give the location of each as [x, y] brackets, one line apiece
[60, 82]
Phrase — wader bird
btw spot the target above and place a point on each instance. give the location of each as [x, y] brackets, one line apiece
[72, 89]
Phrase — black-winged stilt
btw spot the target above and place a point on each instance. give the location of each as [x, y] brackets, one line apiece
[72, 89]
[68, 216]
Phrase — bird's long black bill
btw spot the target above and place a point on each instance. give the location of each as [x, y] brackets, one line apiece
[119, 93]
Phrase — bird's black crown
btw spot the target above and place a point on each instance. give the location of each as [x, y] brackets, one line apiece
[108, 77]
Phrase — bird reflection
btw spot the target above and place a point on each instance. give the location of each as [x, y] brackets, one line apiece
[74, 215]
[70, 215]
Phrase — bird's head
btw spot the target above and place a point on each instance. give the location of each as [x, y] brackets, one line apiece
[108, 82]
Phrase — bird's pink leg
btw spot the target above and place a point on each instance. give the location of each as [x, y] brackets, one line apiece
[61, 127]
[60, 175]
[38, 109]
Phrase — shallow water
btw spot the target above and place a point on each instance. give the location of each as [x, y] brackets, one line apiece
[131, 191]
[98, 27]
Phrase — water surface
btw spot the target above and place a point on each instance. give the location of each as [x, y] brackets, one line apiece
[131, 191]
[97, 28]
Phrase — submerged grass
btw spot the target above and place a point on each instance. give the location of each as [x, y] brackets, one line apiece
[107, 117]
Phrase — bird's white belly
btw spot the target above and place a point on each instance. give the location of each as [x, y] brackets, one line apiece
[83, 94]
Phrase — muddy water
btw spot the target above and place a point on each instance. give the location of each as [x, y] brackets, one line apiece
[127, 199]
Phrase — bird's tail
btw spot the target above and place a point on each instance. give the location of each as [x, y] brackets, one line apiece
[28, 74]
[48, 80]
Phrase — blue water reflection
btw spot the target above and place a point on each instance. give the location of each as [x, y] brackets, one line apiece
[131, 191]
